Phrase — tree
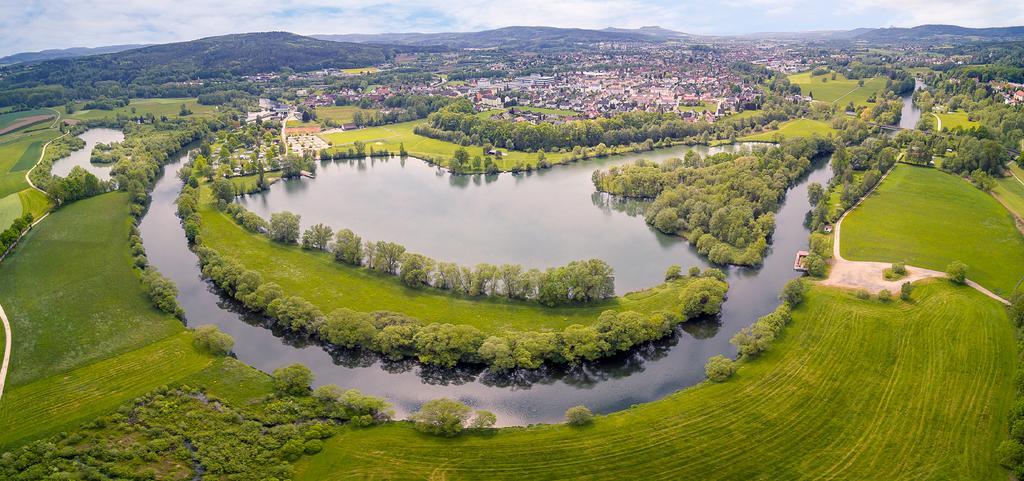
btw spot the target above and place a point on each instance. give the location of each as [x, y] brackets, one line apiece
[223, 190]
[905, 289]
[578, 416]
[793, 292]
[884, 295]
[348, 248]
[816, 265]
[815, 192]
[957, 272]
[184, 111]
[719, 368]
[210, 339]
[442, 417]
[317, 237]
[674, 272]
[387, 256]
[483, 419]
[284, 227]
[292, 380]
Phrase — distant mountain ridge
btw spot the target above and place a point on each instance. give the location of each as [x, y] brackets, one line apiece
[515, 37]
[53, 54]
[922, 33]
[210, 57]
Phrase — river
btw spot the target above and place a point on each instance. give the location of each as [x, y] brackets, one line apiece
[560, 218]
[80, 158]
[910, 114]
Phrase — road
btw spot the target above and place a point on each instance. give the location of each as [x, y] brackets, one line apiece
[7, 350]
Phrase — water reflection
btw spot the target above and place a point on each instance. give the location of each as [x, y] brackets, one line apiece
[80, 158]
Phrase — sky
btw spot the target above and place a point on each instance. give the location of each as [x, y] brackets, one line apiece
[30, 25]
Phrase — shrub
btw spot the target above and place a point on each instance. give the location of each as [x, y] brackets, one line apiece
[578, 416]
[719, 368]
[483, 420]
[884, 295]
[863, 294]
[905, 289]
[957, 272]
[793, 292]
[293, 380]
[210, 339]
[674, 272]
[442, 417]
[816, 265]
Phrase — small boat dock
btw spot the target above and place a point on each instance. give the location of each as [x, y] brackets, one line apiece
[799, 264]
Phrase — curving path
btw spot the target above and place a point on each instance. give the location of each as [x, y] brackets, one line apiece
[7, 350]
[869, 275]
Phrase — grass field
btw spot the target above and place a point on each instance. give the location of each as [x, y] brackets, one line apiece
[10, 209]
[360, 70]
[839, 91]
[547, 111]
[853, 390]
[35, 202]
[71, 294]
[59, 402]
[1010, 190]
[158, 107]
[792, 128]
[342, 114]
[330, 285]
[18, 153]
[953, 120]
[929, 218]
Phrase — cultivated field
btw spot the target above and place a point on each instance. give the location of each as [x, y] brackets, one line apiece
[71, 294]
[18, 153]
[330, 285]
[929, 218]
[840, 91]
[792, 128]
[853, 390]
[9, 120]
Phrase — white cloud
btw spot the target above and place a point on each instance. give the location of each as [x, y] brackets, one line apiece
[39, 24]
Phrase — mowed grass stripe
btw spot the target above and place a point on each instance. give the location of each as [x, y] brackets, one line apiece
[853, 390]
[29, 157]
[59, 402]
[928, 218]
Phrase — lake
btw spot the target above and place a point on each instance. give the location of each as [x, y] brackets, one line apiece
[553, 216]
[80, 158]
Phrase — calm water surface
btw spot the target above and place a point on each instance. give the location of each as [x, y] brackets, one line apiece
[80, 158]
[542, 219]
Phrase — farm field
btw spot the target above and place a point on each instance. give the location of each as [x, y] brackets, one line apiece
[792, 128]
[839, 91]
[62, 401]
[360, 70]
[853, 390]
[71, 294]
[10, 209]
[928, 218]
[18, 153]
[35, 202]
[952, 120]
[330, 285]
[9, 118]
[170, 107]
[342, 114]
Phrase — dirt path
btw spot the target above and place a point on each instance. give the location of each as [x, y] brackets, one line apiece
[869, 275]
[938, 123]
[7, 350]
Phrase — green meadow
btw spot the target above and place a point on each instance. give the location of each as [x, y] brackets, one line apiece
[928, 218]
[343, 114]
[18, 153]
[71, 294]
[170, 108]
[1010, 190]
[852, 390]
[839, 91]
[792, 128]
[952, 120]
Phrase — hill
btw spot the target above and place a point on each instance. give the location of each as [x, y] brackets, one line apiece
[211, 57]
[53, 54]
[516, 37]
[938, 33]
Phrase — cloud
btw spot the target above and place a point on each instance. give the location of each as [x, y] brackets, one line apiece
[39, 24]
